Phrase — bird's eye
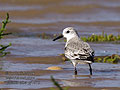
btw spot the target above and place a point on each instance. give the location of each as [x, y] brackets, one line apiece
[67, 31]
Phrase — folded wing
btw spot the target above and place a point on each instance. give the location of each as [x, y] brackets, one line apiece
[79, 51]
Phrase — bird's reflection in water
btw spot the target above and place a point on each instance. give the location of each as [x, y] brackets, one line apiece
[81, 76]
[76, 81]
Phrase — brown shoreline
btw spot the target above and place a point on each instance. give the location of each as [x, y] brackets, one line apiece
[41, 60]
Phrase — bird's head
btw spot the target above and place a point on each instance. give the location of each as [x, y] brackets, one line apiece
[68, 33]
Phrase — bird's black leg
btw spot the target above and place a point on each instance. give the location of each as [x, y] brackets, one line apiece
[90, 69]
[75, 71]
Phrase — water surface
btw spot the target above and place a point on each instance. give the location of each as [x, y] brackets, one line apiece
[33, 17]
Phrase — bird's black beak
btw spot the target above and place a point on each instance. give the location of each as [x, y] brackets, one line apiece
[61, 36]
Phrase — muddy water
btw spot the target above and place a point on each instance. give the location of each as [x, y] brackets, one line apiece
[25, 67]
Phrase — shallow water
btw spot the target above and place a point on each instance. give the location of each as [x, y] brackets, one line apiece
[22, 75]
[32, 17]
[24, 46]
[86, 16]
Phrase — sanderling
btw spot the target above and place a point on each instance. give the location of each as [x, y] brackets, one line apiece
[78, 51]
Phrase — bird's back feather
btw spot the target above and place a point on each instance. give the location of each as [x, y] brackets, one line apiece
[76, 49]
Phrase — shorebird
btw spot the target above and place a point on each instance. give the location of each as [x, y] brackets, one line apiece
[78, 51]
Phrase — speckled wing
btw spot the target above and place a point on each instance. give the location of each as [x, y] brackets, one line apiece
[79, 50]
